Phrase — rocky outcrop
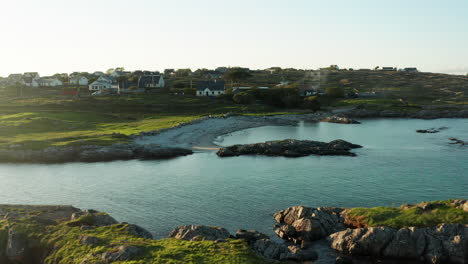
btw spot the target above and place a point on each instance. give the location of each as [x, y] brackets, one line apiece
[339, 120]
[446, 243]
[462, 204]
[121, 253]
[198, 232]
[431, 130]
[91, 153]
[301, 224]
[138, 231]
[290, 148]
[272, 250]
[91, 218]
[17, 248]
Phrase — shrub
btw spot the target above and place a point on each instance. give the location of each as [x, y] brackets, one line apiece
[312, 103]
[335, 92]
[243, 98]
[190, 91]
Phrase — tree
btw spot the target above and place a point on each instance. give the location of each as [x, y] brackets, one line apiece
[237, 74]
[312, 103]
[243, 98]
[335, 92]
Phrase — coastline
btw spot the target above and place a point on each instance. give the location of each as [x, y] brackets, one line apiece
[199, 135]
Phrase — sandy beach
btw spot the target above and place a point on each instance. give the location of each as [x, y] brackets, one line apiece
[200, 134]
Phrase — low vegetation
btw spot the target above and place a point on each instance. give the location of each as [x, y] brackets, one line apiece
[422, 215]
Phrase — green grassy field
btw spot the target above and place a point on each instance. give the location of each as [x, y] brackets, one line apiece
[412, 216]
[53, 121]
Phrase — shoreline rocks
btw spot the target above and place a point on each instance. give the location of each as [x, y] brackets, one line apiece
[291, 148]
[92, 153]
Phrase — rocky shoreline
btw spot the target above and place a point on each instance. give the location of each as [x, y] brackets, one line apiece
[324, 235]
[92, 153]
[180, 140]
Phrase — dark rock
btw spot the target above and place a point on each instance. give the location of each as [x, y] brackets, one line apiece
[154, 151]
[89, 240]
[17, 250]
[250, 235]
[428, 131]
[343, 260]
[121, 253]
[198, 232]
[290, 148]
[139, 231]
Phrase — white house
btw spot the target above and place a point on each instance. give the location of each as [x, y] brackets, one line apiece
[31, 79]
[79, 80]
[100, 85]
[48, 82]
[211, 88]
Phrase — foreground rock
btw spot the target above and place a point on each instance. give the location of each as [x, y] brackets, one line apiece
[339, 120]
[446, 243]
[301, 224]
[291, 148]
[91, 153]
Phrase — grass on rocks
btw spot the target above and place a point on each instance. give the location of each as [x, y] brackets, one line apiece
[406, 216]
[64, 246]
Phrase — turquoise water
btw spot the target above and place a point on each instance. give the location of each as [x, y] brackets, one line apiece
[395, 166]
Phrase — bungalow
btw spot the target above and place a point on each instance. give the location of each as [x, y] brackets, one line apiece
[151, 81]
[211, 88]
[102, 83]
[79, 80]
[389, 69]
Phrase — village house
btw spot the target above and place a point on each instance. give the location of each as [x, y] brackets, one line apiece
[211, 88]
[151, 81]
[389, 69]
[31, 79]
[49, 82]
[102, 83]
[79, 80]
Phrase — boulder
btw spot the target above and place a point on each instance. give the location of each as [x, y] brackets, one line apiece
[138, 231]
[17, 249]
[89, 240]
[303, 224]
[91, 218]
[121, 253]
[199, 232]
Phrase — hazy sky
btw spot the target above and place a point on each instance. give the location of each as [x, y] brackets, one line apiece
[52, 36]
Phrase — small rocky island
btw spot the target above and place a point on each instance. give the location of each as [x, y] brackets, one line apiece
[291, 148]
[428, 232]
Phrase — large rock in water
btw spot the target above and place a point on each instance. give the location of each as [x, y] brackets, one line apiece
[291, 148]
[446, 243]
[199, 232]
[301, 224]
